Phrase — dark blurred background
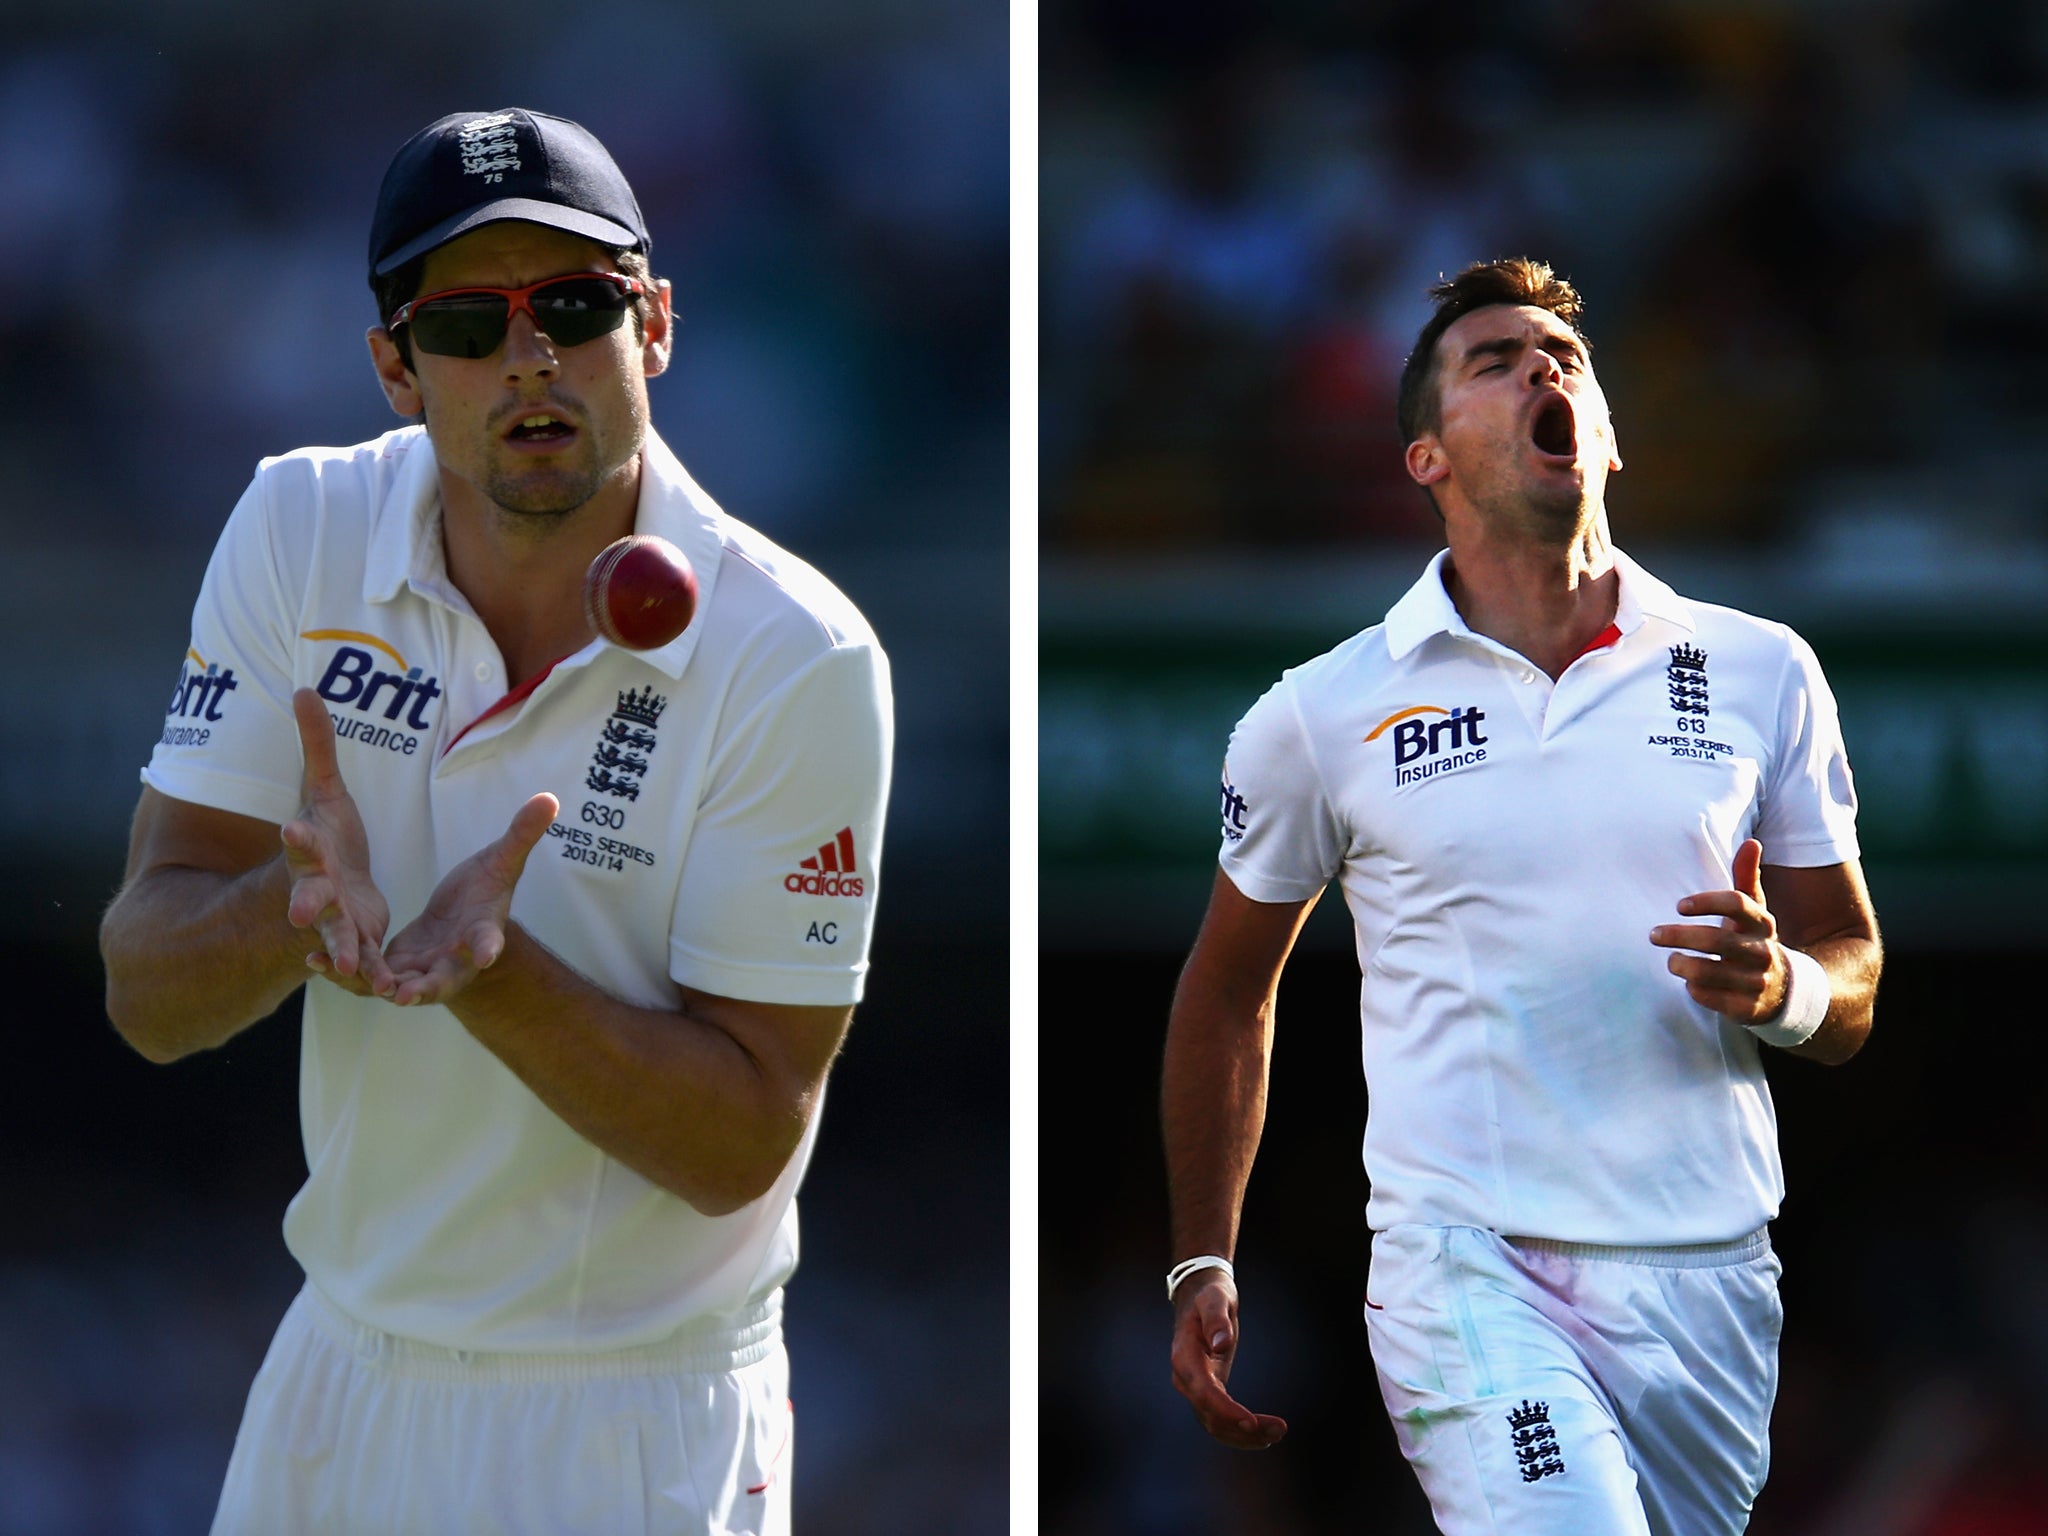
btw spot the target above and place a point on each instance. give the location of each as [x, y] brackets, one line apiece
[1813, 241]
[185, 194]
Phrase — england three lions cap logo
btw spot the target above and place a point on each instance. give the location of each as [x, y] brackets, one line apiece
[488, 144]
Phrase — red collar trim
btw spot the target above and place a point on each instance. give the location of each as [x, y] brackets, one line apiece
[516, 696]
[1601, 641]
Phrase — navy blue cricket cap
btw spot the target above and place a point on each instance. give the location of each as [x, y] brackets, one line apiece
[472, 168]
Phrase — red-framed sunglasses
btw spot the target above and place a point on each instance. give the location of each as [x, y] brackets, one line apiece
[471, 322]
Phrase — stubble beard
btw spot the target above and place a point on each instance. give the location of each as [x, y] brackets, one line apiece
[1545, 513]
[536, 496]
[1557, 516]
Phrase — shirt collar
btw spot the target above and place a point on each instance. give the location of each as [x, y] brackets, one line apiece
[405, 543]
[1426, 608]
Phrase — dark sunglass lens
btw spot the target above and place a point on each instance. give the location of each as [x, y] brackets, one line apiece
[469, 326]
[580, 309]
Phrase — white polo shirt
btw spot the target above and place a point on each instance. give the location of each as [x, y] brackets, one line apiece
[1505, 845]
[720, 827]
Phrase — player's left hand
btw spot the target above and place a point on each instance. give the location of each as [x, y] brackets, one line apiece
[1204, 1347]
[1737, 967]
[462, 930]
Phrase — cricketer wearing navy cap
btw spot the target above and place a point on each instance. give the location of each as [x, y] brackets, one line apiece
[562, 1057]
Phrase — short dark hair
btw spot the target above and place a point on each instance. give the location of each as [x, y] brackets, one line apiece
[402, 283]
[1511, 280]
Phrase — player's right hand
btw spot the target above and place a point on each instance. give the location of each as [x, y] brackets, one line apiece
[1204, 1345]
[328, 854]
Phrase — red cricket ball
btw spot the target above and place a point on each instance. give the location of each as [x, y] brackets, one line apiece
[640, 592]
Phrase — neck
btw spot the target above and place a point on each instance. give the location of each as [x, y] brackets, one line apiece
[1544, 601]
[523, 573]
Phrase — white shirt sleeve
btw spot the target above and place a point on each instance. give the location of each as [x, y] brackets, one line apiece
[1281, 838]
[229, 740]
[1808, 817]
[776, 898]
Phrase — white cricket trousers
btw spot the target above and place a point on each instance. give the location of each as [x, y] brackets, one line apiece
[350, 1431]
[1570, 1389]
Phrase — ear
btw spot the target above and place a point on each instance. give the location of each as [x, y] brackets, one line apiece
[400, 387]
[660, 342]
[1426, 461]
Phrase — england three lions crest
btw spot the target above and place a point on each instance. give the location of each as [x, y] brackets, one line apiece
[1686, 679]
[1534, 1440]
[1685, 686]
[625, 744]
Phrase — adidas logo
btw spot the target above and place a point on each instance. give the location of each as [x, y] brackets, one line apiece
[828, 872]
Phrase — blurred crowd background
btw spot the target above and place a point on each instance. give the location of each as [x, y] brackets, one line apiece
[1812, 236]
[185, 194]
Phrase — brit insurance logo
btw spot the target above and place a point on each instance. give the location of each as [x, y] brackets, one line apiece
[203, 687]
[830, 871]
[1430, 740]
[1685, 681]
[1233, 809]
[371, 702]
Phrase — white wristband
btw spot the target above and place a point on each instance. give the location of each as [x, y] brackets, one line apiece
[1187, 1267]
[1807, 995]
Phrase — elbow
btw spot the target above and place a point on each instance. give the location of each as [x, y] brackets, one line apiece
[756, 1150]
[708, 1204]
[156, 1054]
[728, 1195]
[735, 1187]
[126, 1010]
[126, 1002]
[135, 1020]
[132, 1023]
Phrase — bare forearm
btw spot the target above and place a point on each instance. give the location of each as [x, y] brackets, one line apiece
[1852, 965]
[1212, 1110]
[193, 957]
[669, 1094]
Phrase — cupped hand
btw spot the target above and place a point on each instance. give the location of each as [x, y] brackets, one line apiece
[1736, 967]
[462, 930]
[1204, 1348]
[328, 854]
